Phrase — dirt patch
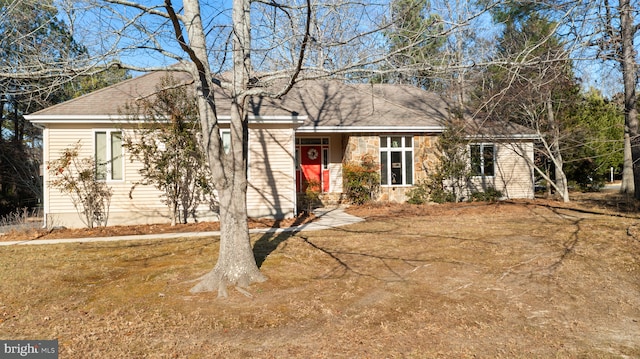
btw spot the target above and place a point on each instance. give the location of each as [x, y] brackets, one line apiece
[476, 280]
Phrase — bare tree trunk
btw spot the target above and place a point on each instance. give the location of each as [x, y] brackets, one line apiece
[174, 213]
[236, 263]
[629, 76]
[627, 185]
[561, 178]
[460, 58]
[2, 103]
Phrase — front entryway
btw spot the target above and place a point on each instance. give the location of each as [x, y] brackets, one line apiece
[312, 164]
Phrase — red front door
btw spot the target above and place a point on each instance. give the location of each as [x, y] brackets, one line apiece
[311, 166]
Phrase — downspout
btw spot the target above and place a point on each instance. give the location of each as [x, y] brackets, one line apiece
[295, 174]
[44, 188]
[298, 120]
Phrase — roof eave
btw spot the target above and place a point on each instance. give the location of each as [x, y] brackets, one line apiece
[369, 129]
[51, 119]
[515, 136]
[123, 119]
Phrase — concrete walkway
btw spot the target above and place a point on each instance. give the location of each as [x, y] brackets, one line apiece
[326, 218]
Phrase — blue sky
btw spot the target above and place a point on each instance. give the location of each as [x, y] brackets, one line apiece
[91, 29]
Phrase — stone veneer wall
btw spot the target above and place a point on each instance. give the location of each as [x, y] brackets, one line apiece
[359, 145]
[424, 156]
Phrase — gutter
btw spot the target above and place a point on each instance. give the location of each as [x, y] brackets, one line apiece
[505, 137]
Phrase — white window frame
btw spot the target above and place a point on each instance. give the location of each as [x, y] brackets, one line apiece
[482, 146]
[225, 137]
[388, 147]
[109, 155]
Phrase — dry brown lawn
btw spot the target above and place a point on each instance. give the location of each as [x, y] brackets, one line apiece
[506, 280]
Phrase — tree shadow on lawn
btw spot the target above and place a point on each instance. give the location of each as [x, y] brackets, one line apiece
[270, 240]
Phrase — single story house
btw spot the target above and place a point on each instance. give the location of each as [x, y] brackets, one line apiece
[307, 135]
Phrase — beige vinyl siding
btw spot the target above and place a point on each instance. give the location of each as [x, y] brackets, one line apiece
[335, 163]
[145, 206]
[335, 177]
[271, 191]
[513, 171]
[60, 139]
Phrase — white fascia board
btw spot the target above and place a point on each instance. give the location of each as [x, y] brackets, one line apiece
[47, 119]
[371, 129]
[50, 119]
[276, 119]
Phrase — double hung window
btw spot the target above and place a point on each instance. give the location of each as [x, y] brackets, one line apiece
[225, 135]
[483, 159]
[108, 155]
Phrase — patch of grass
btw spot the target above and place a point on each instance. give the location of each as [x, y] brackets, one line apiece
[21, 219]
[513, 280]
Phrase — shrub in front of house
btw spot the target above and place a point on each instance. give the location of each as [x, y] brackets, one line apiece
[488, 195]
[361, 180]
[419, 193]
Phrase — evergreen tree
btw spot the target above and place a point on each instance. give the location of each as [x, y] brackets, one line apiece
[32, 35]
[595, 143]
[415, 40]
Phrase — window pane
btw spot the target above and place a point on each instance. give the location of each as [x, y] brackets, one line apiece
[101, 155]
[396, 142]
[384, 170]
[116, 155]
[226, 140]
[311, 141]
[384, 141]
[409, 164]
[325, 158]
[488, 160]
[476, 161]
[408, 142]
[396, 168]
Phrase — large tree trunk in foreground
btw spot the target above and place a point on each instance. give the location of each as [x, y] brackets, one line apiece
[561, 178]
[236, 264]
[629, 76]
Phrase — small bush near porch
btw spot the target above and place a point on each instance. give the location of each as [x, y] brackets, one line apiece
[361, 179]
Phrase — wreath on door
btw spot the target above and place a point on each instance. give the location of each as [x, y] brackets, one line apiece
[312, 153]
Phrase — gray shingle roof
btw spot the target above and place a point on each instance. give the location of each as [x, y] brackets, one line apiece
[335, 104]
[327, 103]
[109, 100]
